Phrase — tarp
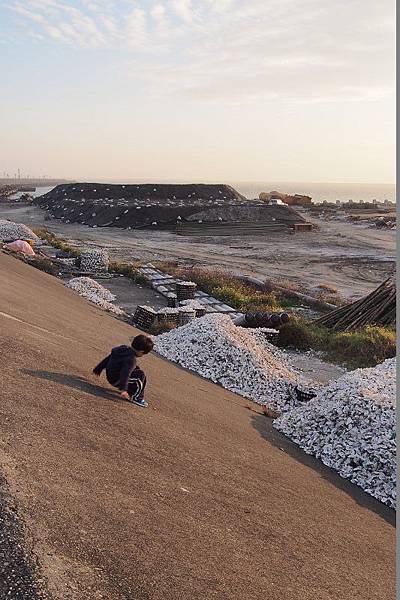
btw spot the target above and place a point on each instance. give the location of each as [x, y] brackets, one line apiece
[20, 246]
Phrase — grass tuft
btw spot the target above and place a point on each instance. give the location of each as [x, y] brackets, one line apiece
[290, 286]
[364, 348]
[228, 289]
[56, 242]
[355, 349]
[129, 270]
[327, 287]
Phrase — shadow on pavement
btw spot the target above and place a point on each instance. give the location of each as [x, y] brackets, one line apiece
[264, 427]
[73, 381]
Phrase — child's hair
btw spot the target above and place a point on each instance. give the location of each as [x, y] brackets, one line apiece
[142, 343]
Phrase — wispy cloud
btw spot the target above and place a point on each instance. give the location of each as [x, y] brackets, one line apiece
[231, 50]
[62, 22]
[184, 10]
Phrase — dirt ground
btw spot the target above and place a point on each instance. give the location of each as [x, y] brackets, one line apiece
[130, 295]
[353, 259]
[196, 497]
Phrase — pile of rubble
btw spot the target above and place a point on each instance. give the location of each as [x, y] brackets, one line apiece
[351, 427]
[233, 357]
[94, 261]
[385, 223]
[146, 317]
[10, 231]
[195, 304]
[162, 206]
[96, 293]
[129, 206]
[348, 424]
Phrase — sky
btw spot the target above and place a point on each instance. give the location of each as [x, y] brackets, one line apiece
[198, 90]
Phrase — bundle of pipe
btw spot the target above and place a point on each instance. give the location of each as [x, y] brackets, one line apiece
[168, 313]
[378, 308]
[185, 290]
[186, 315]
[144, 317]
[262, 319]
[195, 305]
[172, 300]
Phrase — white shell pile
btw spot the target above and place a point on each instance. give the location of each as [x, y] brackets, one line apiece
[10, 231]
[168, 311]
[96, 293]
[94, 260]
[350, 426]
[193, 304]
[216, 349]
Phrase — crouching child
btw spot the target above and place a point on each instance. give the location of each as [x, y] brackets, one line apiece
[124, 373]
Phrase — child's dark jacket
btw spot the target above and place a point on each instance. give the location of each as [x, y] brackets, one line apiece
[118, 365]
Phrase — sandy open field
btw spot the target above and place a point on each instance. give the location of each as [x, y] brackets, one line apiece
[352, 258]
[196, 497]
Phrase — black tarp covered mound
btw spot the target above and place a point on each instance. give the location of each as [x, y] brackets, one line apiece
[153, 205]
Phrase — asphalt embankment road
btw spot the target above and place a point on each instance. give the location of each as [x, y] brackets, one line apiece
[196, 497]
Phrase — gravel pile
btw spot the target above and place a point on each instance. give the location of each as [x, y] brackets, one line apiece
[168, 311]
[10, 231]
[130, 206]
[94, 261]
[193, 304]
[96, 293]
[159, 206]
[350, 426]
[233, 357]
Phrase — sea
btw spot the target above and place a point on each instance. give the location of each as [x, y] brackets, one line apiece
[318, 191]
[321, 191]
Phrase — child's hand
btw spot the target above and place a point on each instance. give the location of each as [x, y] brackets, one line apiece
[125, 395]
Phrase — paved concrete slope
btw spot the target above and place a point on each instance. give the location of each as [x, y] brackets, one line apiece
[192, 498]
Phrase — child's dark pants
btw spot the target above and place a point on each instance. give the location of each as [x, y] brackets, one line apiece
[136, 384]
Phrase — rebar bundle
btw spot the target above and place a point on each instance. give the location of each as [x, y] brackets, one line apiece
[378, 308]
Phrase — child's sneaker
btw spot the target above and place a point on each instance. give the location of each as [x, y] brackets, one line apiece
[142, 402]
